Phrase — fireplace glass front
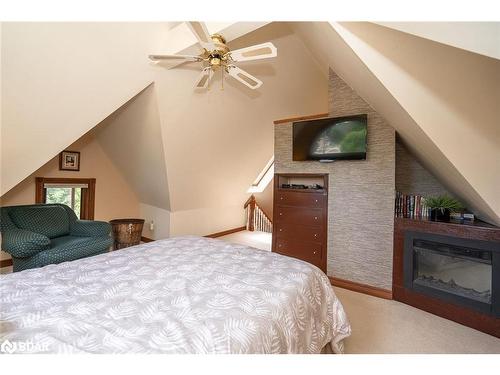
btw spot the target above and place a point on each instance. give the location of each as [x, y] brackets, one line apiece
[457, 270]
[462, 271]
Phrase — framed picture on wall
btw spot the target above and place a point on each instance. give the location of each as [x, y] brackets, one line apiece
[69, 161]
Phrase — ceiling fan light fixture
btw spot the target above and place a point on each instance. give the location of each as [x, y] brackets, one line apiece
[216, 54]
[217, 38]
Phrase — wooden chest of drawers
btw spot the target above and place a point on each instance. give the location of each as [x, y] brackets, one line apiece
[300, 220]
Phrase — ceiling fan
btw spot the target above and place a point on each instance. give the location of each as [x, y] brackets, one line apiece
[217, 55]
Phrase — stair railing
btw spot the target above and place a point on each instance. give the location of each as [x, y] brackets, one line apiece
[257, 220]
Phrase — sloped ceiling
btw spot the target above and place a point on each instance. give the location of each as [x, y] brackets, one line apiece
[473, 176]
[131, 137]
[477, 37]
[214, 143]
[61, 79]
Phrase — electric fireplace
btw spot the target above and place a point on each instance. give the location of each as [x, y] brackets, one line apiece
[461, 271]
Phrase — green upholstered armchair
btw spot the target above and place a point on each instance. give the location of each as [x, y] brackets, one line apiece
[41, 234]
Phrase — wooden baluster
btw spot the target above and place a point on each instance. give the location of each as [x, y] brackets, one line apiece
[248, 217]
[256, 218]
[251, 204]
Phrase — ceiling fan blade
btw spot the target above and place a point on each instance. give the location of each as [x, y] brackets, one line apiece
[256, 52]
[201, 33]
[180, 58]
[204, 78]
[246, 78]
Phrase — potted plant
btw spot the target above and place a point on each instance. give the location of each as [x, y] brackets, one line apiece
[441, 206]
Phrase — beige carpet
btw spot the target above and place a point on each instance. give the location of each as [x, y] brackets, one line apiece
[260, 240]
[383, 326]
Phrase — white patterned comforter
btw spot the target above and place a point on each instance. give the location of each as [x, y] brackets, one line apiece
[180, 295]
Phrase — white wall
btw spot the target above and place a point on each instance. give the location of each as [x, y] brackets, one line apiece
[205, 221]
[132, 138]
[161, 219]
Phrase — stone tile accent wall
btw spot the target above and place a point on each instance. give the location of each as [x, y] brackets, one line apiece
[361, 193]
[412, 177]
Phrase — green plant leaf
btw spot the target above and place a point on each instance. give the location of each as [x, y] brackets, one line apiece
[444, 202]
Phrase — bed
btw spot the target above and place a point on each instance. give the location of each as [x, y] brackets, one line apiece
[179, 295]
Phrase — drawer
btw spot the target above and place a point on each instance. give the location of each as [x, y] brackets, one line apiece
[302, 216]
[300, 199]
[299, 232]
[305, 250]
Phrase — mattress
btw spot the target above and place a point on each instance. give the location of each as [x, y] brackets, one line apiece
[179, 295]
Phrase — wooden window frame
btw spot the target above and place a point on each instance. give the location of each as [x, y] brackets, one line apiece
[88, 195]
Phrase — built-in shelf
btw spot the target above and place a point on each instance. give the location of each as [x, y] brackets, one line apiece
[476, 223]
[310, 180]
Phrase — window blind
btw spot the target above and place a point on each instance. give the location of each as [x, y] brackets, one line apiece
[62, 185]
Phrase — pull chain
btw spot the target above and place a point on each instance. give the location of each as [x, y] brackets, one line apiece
[208, 78]
[222, 78]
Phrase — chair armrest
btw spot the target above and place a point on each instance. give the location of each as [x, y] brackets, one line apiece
[22, 243]
[90, 228]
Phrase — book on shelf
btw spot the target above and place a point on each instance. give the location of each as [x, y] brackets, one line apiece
[411, 206]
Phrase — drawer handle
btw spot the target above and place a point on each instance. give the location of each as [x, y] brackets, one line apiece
[281, 198]
[314, 252]
[315, 235]
[281, 230]
[316, 200]
[281, 213]
[279, 245]
[315, 218]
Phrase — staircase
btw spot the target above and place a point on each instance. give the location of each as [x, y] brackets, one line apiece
[257, 220]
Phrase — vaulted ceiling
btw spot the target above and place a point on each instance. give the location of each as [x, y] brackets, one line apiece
[196, 153]
[61, 79]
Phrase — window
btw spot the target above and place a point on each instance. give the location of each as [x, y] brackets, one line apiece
[77, 193]
[263, 179]
[68, 195]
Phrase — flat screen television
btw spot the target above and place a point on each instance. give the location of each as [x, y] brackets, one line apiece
[330, 138]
